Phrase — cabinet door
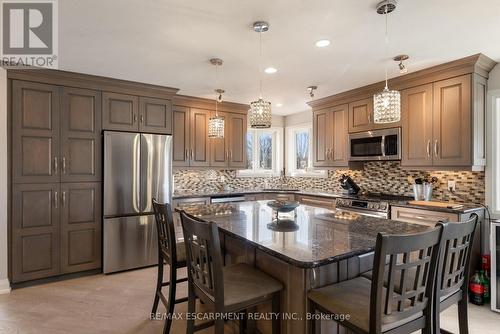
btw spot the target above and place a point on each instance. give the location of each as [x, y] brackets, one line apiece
[416, 116]
[361, 115]
[322, 137]
[340, 117]
[452, 122]
[35, 231]
[200, 145]
[180, 137]
[237, 140]
[219, 147]
[120, 112]
[155, 115]
[35, 132]
[81, 135]
[80, 226]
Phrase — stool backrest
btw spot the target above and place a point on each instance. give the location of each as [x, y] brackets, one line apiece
[166, 233]
[396, 256]
[455, 254]
[204, 258]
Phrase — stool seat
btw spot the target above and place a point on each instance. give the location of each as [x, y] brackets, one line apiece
[244, 284]
[353, 297]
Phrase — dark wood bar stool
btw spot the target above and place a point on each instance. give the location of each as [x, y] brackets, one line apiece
[403, 306]
[230, 289]
[453, 271]
[169, 252]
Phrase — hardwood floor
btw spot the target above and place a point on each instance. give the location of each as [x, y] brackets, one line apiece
[120, 303]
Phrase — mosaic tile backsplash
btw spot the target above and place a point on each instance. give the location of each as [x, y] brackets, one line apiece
[384, 177]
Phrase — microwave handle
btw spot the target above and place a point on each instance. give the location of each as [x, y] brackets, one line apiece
[382, 146]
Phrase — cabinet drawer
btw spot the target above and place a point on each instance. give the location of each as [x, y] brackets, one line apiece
[254, 197]
[281, 197]
[320, 202]
[423, 217]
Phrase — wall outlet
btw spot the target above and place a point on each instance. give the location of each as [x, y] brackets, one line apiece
[451, 186]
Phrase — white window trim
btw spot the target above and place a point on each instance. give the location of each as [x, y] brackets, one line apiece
[277, 155]
[291, 149]
[493, 154]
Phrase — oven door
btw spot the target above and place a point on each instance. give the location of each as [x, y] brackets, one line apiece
[375, 145]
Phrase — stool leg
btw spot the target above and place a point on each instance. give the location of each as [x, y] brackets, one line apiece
[171, 299]
[159, 281]
[243, 321]
[219, 326]
[276, 314]
[191, 309]
[463, 319]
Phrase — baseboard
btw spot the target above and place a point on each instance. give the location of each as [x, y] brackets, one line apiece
[4, 286]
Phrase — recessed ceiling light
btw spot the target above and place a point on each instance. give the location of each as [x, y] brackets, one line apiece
[279, 105]
[270, 70]
[322, 43]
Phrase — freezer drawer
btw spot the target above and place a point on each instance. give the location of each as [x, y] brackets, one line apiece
[129, 242]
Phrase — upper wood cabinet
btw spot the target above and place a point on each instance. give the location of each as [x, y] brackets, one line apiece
[120, 112]
[452, 119]
[330, 136]
[361, 117]
[441, 126]
[416, 114]
[123, 112]
[200, 145]
[81, 135]
[180, 136]
[35, 132]
[230, 151]
[155, 115]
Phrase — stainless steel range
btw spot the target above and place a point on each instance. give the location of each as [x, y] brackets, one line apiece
[367, 207]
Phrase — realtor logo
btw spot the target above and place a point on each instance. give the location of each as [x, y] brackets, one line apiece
[29, 33]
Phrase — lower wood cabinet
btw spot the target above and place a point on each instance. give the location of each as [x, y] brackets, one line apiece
[81, 227]
[422, 216]
[56, 229]
[321, 202]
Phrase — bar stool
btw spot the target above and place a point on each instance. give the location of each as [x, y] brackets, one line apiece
[452, 271]
[376, 309]
[230, 289]
[169, 252]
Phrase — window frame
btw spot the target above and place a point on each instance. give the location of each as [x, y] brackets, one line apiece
[493, 154]
[277, 154]
[291, 150]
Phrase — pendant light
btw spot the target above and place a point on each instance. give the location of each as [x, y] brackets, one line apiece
[260, 110]
[387, 103]
[216, 123]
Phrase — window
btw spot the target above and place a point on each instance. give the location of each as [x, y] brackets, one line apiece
[299, 151]
[263, 152]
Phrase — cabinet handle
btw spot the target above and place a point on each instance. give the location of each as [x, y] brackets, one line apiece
[142, 119]
[436, 148]
[369, 117]
[230, 155]
[63, 199]
[382, 146]
[56, 168]
[192, 154]
[226, 155]
[429, 148]
[64, 165]
[135, 118]
[332, 154]
[187, 154]
[56, 204]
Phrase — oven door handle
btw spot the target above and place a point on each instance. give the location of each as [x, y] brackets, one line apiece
[382, 146]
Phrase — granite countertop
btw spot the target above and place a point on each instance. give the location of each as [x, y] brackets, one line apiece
[321, 193]
[323, 236]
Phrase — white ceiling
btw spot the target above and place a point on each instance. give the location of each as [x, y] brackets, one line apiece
[169, 42]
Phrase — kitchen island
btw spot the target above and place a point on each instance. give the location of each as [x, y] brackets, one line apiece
[327, 247]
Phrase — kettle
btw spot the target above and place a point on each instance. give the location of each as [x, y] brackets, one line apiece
[348, 184]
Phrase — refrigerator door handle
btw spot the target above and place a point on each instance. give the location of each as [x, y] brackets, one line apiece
[137, 174]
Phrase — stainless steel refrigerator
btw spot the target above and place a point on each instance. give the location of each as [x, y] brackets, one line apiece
[137, 168]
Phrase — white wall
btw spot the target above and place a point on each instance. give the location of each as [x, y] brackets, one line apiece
[298, 118]
[4, 282]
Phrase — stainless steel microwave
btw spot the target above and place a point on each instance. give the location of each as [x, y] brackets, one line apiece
[375, 145]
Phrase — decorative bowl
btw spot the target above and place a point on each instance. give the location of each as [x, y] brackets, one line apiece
[283, 206]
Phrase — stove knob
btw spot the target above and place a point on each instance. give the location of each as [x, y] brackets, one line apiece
[376, 206]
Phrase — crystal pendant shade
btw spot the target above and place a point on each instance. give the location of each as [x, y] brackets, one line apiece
[260, 114]
[387, 106]
[216, 127]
